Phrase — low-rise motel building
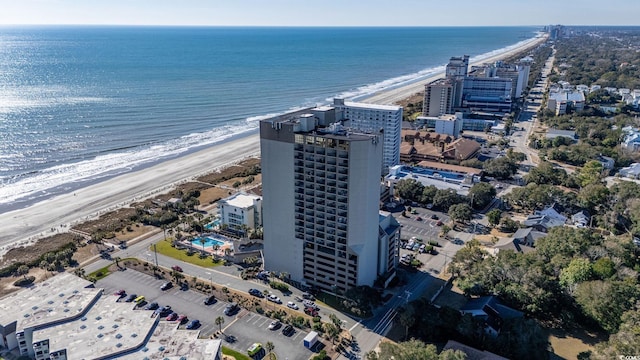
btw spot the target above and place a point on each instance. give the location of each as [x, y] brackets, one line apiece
[66, 317]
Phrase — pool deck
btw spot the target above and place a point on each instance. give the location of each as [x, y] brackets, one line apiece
[209, 249]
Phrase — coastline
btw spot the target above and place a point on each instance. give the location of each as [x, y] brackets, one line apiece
[25, 225]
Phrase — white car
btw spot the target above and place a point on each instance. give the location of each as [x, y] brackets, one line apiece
[292, 305]
[274, 325]
[274, 298]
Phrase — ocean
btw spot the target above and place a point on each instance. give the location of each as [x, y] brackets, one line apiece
[81, 104]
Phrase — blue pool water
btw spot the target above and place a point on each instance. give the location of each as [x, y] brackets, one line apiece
[212, 224]
[209, 242]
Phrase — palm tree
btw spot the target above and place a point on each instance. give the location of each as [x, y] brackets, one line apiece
[407, 319]
[202, 241]
[216, 247]
[269, 346]
[117, 259]
[219, 322]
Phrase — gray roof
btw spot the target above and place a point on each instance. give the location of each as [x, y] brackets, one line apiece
[552, 133]
[542, 220]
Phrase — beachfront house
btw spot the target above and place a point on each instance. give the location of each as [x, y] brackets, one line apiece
[241, 212]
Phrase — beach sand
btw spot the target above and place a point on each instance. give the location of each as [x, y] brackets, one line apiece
[23, 226]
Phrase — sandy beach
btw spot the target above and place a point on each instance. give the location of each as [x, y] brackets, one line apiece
[22, 226]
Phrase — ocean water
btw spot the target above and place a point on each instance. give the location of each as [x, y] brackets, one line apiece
[79, 104]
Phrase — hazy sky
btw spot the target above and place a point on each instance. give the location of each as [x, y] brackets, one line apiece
[321, 13]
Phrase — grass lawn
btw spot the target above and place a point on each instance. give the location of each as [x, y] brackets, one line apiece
[235, 354]
[165, 248]
[100, 273]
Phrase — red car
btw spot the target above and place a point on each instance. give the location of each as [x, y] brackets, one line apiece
[182, 319]
[176, 268]
[120, 293]
[172, 317]
[439, 223]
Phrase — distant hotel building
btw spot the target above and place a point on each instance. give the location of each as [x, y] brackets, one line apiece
[562, 100]
[438, 98]
[321, 194]
[372, 118]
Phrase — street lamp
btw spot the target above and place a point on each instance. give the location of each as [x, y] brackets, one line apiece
[210, 279]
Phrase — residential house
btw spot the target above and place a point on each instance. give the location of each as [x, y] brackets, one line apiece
[527, 236]
[632, 171]
[553, 211]
[511, 244]
[554, 133]
[542, 222]
[471, 352]
[492, 311]
[581, 219]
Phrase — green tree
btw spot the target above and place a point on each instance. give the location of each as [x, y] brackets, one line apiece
[509, 225]
[500, 168]
[269, 347]
[413, 350]
[219, 321]
[606, 301]
[493, 216]
[443, 199]
[407, 318]
[579, 270]
[481, 194]
[460, 212]
[626, 341]
[428, 193]
[22, 270]
[332, 331]
[409, 189]
[591, 173]
[593, 195]
[604, 268]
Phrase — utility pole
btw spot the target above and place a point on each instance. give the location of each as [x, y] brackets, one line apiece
[155, 251]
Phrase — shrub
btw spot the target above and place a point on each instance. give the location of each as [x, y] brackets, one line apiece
[25, 281]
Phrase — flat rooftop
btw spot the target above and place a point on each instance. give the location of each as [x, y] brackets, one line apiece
[59, 298]
[241, 200]
[108, 328]
[167, 342]
[358, 105]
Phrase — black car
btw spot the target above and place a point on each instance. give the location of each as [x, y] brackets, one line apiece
[163, 311]
[230, 338]
[210, 300]
[231, 309]
[193, 324]
[288, 330]
[131, 297]
[167, 285]
[184, 286]
[152, 306]
[434, 217]
[256, 292]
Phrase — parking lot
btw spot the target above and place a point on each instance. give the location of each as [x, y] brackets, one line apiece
[246, 326]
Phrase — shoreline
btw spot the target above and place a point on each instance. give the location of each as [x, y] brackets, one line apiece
[23, 226]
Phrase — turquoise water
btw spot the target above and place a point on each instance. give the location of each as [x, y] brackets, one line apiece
[79, 104]
[209, 242]
[212, 224]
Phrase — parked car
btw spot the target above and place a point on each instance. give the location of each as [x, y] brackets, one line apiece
[166, 286]
[274, 299]
[230, 339]
[434, 217]
[231, 309]
[310, 311]
[292, 305]
[120, 293]
[256, 292]
[184, 286]
[182, 319]
[421, 248]
[172, 317]
[418, 218]
[193, 324]
[163, 311]
[254, 349]
[210, 300]
[152, 306]
[308, 296]
[439, 223]
[176, 268]
[131, 297]
[275, 324]
[416, 246]
[288, 330]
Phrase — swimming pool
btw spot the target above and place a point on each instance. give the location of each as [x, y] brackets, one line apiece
[212, 224]
[208, 242]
